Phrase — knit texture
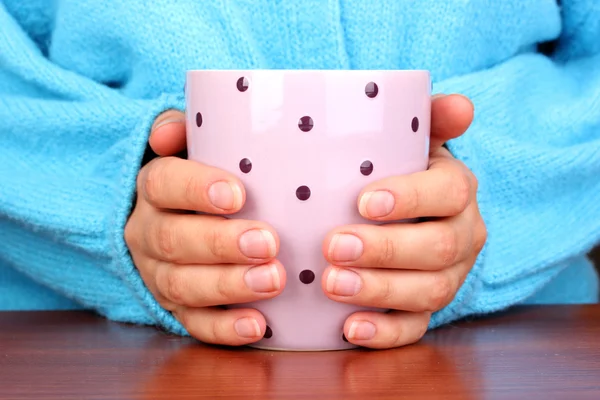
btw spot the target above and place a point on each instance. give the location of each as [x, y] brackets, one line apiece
[81, 83]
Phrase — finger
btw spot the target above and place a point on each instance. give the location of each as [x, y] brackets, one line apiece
[430, 246]
[233, 327]
[203, 239]
[415, 291]
[444, 190]
[173, 183]
[167, 136]
[147, 270]
[384, 331]
[211, 285]
[451, 115]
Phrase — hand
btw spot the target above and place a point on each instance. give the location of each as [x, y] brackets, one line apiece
[413, 269]
[194, 263]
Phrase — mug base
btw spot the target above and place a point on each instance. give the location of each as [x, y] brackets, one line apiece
[296, 350]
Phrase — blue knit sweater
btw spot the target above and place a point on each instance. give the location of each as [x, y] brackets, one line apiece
[82, 81]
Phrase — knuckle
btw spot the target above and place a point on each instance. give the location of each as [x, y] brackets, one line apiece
[142, 176]
[183, 316]
[412, 201]
[166, 304]
[387, 252]
[218, 331]
[446, 246]
[175, 286]
[129, 234]
[462, 193]
[474, 182]
[441, 292]
[151, 183]
[384, 295]
[223, 288]
[410, 332]
[166, 240]
[193, 190]
[216, 241]
[421, 330]
[398, 339]
[480, 237]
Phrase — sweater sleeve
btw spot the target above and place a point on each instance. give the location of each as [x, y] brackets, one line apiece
[535, 147]
[70, 152]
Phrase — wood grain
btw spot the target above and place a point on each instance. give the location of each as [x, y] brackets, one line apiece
[535, 352]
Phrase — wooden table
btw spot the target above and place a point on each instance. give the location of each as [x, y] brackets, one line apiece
[527, 353]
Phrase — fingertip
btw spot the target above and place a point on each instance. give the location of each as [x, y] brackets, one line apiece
[451, 116]
[226, 195]
[167, 117]
[326, 243]
[462, 109]
[168, 140]
[282, 275]
[324, 279]
[167, 136]
[359, 328]
[229, 327]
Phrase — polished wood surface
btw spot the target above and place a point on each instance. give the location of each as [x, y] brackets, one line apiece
[527, 353]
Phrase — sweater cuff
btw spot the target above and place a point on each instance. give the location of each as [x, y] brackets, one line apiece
[124, 266]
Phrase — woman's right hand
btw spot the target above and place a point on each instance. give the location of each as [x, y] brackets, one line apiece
[194, 263]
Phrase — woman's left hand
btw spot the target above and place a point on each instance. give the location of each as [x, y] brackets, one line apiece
[413, 269]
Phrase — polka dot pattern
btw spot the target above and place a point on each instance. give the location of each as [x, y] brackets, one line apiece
[303, 193]
[415, 124]
[242, 84]
[268, 333]
[306, 124]
[307, 276]
[366, 168]
[245, 165]
[371, 90]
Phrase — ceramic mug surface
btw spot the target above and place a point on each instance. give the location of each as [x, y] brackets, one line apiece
[305, 143]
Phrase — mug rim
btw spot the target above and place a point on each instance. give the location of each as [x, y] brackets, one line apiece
[325, 71]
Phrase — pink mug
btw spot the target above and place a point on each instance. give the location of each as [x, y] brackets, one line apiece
[304, 143]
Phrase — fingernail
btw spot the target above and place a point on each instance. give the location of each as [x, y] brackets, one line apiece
[343, 282]
[258, 244]
[361, 330]
[225, 195]
[263, 279]
[376, 204]
[437, 96]
[345, 247]
[247, 327]
[169, 121]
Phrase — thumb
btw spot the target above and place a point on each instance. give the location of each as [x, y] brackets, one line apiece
[451, 115]
[167, 137]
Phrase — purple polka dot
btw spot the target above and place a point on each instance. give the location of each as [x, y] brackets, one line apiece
[344, 338]
[305, 124]
[366, 168]
[242, 84]
[307, 276]
[371, 90]
[303, 193]
[415, 124]
[268, 333]
[198, 120]
[245, 165]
